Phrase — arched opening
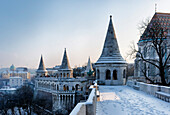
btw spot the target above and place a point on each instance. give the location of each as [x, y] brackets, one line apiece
[108, 75]
[64, 88]
[60, 74]
[67, 74]
[98, 74]
[114, 75]
[64, 75]
[145, 52]
[77, 87]
[73, 88]
[67, 88]
[124, 73]
[57, 87]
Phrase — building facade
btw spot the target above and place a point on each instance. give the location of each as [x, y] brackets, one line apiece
[111, 67]
[15, 82]
[61, 87]
[148, 52]
[18, 72]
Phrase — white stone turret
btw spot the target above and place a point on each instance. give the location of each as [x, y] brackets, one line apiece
[41, 71]
[88, 67]
[111, 67]
[65, 70]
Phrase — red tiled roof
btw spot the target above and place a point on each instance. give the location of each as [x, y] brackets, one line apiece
[162, 18]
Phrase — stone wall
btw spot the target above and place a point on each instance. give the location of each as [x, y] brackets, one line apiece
[88, 107]
[148, 88]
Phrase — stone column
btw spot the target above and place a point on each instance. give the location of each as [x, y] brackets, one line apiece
[111, 75]
[59, 100]
[73, 98]
[96, 73]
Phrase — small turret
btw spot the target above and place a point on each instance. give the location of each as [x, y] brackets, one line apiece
[65, 65]
[110, 53]
[41, 71]
[89, 69]
[65, 70]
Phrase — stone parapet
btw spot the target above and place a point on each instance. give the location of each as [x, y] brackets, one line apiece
[150, 89]
[88, 107]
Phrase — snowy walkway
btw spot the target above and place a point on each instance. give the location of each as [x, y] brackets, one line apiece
[123, 100]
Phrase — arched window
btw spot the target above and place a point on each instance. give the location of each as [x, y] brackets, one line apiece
[108, 75]
[124, 73]
[57, 87]
[60, 74]
[77, 87]
[145, 52]
[73, 88]
[98, 74]
[67, 74]
[64, 88]
[64, 75]
[114, 75]
[67, 88]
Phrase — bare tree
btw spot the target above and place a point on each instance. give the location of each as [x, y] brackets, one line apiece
[155, 38]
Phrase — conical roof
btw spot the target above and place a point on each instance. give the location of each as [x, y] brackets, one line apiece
[65, 62]
[89, 66]
[41, 65]
[110, 53]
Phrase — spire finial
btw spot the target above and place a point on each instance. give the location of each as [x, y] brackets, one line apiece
[155, 7]
[110, 16]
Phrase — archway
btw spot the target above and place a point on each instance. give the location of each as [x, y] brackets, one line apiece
[64, 88]
[77, 87]
[67, 88]
[108, 75]
[57, 87]
[73, 88]
[114, 75]
[124, 73]
[67, 75]
[98, 74]
[57, 75]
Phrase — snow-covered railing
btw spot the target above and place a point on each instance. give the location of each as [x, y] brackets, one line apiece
[55, 91]
[151, 89]
[88, 107]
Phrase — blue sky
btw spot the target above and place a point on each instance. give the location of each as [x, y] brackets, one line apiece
[34, 27]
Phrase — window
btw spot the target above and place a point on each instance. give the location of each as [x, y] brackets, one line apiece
[108, 75]
[114, 75]
[145, 52]
[124, 73]
[98, 74]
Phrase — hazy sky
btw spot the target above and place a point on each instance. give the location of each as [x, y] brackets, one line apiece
[34, 27]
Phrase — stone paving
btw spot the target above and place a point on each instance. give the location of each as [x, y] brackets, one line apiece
[123, 100]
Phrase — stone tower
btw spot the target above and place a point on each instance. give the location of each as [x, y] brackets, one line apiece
[41, 71]
[89, 67]
[65, 70]
[111, 67]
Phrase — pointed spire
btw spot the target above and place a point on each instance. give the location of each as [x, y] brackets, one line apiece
[65, 62]
[110, 51]
[41, 65]
[155, 7]
[89, 66]
[110, 45]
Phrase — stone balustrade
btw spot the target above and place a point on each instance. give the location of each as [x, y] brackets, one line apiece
[151, 89]
[88, 107]
[56, 91]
